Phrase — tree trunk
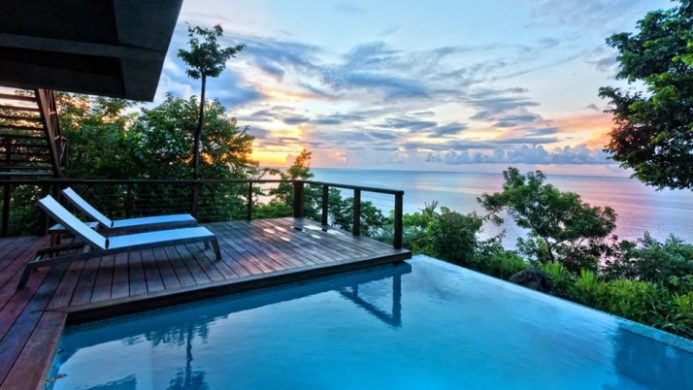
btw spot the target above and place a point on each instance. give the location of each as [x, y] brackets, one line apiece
[548, 248]
[198, 132]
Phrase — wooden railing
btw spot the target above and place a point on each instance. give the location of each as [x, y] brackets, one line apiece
[128, 198]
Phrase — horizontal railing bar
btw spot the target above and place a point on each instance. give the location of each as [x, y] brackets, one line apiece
[355, 187]
[63, 181]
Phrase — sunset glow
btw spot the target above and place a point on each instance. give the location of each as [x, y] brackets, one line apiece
[411, 87]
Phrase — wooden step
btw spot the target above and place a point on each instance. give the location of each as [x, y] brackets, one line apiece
[9, 96]
[22, 136]
[18, 108]
[20, 118]
[18, 127]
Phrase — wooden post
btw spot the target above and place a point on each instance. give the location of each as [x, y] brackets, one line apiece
[356, 228]
[299, 199]
[195, 201]
[53, 191]
[399, 198]
[325, 204]
[249, 215]
[128, 201]
[6, 198]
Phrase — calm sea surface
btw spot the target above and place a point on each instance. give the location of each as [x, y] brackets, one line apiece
[640, 208]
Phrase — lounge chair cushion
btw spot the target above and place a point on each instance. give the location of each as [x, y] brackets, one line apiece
[87, 208]
[72, 223]
[159, 237]
[170, 219]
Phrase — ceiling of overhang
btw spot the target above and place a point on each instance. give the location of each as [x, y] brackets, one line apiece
[101, 47]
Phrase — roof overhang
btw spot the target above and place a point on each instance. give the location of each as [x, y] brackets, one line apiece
[102, 47]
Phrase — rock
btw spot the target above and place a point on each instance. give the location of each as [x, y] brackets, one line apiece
[535, 279]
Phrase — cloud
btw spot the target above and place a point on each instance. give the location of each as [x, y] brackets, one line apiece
[347, 8]
[585, 13]
[410, 124]
[449, 129]
[295, 120]
[525, 154]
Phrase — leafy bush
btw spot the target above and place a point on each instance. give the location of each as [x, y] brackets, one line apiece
[452, 236]
[562, 227]
[562, 278]
[669, 263]
[492, 259]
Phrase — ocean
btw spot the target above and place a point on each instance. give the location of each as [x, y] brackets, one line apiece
[640, 208]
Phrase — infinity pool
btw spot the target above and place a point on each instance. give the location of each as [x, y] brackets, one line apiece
[425, 324]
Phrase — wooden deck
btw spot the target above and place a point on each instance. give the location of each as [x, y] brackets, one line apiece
[256, 254]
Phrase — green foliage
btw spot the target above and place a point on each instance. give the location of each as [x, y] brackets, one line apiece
[562, 227]
[562, 278]
[669, 263]
[492, 259]
[163, 135]
[654, 130]
[206, 58]
[445, 234]
[452, 236]
[100, 145]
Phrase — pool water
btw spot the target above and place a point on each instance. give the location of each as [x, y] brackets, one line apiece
[423, 324]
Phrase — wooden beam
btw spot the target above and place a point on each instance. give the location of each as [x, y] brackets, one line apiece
[356, 228]
[325, 204]
[44, 102]
[78, 47]
[299, 199]
[399, 203]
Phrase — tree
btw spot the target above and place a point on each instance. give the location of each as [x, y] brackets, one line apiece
[100, 145]
[653, 133]
[284, 193]
[205, 59]
[562, 227]
[163, 153]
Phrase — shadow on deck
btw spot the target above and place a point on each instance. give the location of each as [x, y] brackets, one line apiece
[256, 254]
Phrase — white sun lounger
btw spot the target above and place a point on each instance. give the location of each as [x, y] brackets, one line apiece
[99, 245]
[157, 221]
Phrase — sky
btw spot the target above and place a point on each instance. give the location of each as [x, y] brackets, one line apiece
[431, 85]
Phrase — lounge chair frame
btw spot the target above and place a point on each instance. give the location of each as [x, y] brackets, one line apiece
[152, 222]
[94, 244]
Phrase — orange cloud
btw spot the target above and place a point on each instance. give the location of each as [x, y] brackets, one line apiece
[591, 129]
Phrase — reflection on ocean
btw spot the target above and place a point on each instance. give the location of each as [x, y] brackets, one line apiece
[639, 208]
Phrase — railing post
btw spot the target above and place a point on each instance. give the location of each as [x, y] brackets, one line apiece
[399, 198]
[6, 198]
[194, 204]
[6, 192]
[299, 198]
[249, 215]
[325, 204]
[128, 201]
[53, 191]
[356, 228]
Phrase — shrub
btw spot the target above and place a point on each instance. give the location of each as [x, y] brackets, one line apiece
[452, 236]
[562, 278]
[492, 259]
[669, 263]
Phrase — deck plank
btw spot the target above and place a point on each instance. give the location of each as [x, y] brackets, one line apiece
[255, 254]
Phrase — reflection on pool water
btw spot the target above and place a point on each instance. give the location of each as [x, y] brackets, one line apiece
[424, 324]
